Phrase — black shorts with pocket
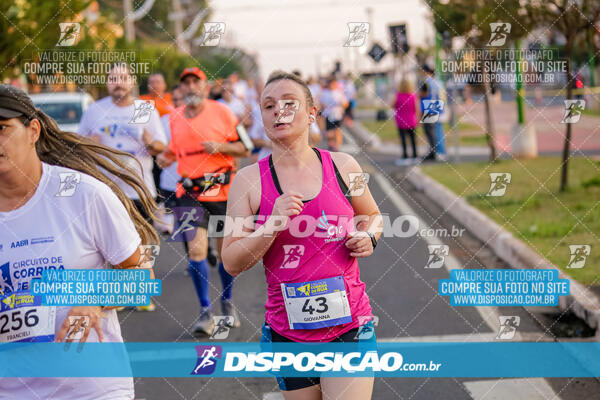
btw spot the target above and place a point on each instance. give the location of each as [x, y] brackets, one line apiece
[330, 125]
[295, 383]
[204, 209]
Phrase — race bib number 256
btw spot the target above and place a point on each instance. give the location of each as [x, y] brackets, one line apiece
[24, 319]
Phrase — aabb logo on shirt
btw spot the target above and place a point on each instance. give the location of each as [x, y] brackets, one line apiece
[207, 359]
[19, 243]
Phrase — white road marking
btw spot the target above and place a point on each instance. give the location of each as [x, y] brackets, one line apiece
[514, 389]
[489, 314]
[470, 338]
[273, 396]
[349, 146]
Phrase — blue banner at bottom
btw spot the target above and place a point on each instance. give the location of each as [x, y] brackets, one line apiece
[229, 359]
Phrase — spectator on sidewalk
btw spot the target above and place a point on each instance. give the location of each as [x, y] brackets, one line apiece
[405, 107]
[433, 89]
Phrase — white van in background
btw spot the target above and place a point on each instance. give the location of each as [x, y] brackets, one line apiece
[65, 107]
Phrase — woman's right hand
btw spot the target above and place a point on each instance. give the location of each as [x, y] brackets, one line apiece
[288, 204]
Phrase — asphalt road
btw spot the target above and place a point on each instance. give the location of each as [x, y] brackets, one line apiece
[403, 295]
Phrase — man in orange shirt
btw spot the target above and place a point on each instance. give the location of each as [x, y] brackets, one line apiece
[157, 88]
[205, 138]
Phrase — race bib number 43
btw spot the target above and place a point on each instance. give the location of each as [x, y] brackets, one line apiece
[316, 304]
[24, 319]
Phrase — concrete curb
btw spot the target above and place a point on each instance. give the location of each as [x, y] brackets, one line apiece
[582, 301]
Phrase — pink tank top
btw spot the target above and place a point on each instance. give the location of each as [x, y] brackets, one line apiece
[320, 255]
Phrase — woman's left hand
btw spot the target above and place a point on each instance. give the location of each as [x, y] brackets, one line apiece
[359, 244]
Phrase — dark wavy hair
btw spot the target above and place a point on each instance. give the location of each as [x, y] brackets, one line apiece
[66, 149]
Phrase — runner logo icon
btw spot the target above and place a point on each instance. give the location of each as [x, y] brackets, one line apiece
[207, 359]
[148, 254]
[184, 217]
[142, 111]
[508, 327]
[291, 258]
[213, 31]
[69, 32]
[432, 109]
[212, 183]
[499, 33]
[222, 324]
[573, 111]
[357, 34]
[499, 183]
[358, 183]
[579, 254]
[68, 183]
[77, 326]
[436, 255]
[287, 111]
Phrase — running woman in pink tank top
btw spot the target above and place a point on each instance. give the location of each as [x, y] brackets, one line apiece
[305, 235]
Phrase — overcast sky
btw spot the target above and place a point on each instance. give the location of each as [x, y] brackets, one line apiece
[309, 35]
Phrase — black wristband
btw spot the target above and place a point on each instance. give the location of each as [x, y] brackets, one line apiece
[373, 239]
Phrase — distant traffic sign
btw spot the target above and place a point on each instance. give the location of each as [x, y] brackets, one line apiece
[377, 52]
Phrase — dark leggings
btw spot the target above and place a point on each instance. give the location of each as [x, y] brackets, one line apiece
[429, 130]
[410, 132]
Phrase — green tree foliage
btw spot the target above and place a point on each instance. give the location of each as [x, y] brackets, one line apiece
[29, 26]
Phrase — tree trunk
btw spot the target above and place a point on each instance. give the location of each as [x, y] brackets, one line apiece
[567, 145]
[489, 123]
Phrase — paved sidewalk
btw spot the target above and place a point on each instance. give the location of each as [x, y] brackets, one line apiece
[546, 121]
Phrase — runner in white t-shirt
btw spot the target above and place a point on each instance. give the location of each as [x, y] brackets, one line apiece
[57, 211]
[228, 98]
[333, 102]
[169, 175]
[118, 121]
